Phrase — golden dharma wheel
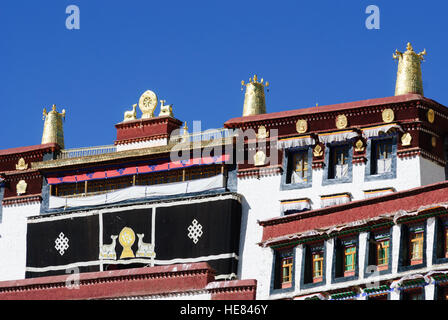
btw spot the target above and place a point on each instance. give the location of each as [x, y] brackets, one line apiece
[388, 115]
[127, 239]
[301, 126]
[341, 122]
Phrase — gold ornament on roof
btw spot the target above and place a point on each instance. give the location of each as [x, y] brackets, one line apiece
[53, 127]
[341, 122]
[262, 132]
[318, 152]
[430, 115]
[127, 239]
[21, 165]
[260, 158]
[409, 74]
[254, 100]
[388, 115]
[359, 146]
[147, 104]
[130, 115]
[165, 110]
[21, 187]
[406, 139]
[301, 126]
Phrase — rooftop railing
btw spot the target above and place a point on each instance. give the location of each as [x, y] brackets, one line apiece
[191, 137]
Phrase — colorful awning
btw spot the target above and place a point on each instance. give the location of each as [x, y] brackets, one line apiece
[377, 193]
[332, 200]
[135, 169]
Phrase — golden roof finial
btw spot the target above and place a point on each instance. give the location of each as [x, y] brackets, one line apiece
[53, 128]
[254, 100]
[409, 74]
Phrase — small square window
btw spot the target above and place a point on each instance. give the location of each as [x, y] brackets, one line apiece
[283, 269]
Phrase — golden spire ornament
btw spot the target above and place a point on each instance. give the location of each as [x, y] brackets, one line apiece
[409, 74]
[53, 128]
[254, 100]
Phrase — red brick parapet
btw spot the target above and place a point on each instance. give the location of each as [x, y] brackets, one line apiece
[139, 282]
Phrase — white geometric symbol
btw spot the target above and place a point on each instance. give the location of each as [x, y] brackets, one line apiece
[195, 231]
[61, 244]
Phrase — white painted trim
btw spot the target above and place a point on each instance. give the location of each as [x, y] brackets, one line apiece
[148, 261]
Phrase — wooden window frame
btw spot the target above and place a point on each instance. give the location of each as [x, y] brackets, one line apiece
[286, 263]
[380, 246]
[349, 272]
[416, 237]
[317, 274]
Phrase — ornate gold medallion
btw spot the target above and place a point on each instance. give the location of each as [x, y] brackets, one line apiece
[359, 146]
[430, 115]
[147, 104]
[262, 133]
[341, 122]
[21, 165]
[388, 115]
[127, 239]
[260, 158]
[317, 152]
[21, 187]
[406, 139]
[301, 126]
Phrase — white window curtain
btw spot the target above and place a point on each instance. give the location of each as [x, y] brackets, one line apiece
[341, 170]
[334, 200]
[139, 192]
[384, 165]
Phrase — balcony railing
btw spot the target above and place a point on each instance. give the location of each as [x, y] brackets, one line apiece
[192, 137]
[85, 152]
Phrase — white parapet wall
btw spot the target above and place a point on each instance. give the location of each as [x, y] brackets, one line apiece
[13, 239]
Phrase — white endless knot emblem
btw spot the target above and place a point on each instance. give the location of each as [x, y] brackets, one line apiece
[61, 244]
[195, 231]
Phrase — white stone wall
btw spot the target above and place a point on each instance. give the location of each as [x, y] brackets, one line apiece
[431, 172]
[260, 202]
[142, 144]
[13, 240]
[262, 198]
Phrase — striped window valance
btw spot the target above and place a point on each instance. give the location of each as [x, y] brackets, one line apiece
[300, 141]
[338, 136]
[335, 199]
[377, 130]
[296, 205]
[377, 193]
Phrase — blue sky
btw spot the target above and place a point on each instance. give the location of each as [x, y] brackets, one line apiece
[194, 54]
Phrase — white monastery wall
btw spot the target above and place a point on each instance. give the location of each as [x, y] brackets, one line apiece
[13, 239]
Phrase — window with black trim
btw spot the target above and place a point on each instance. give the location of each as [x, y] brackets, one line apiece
[314, 263]
[413, 294]
[412, 244]
[298, 167]
[379, 249]
[381, 156]
[339, 162]
[442, 292]
[284, 262]
[345, 257]
[442, 238]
